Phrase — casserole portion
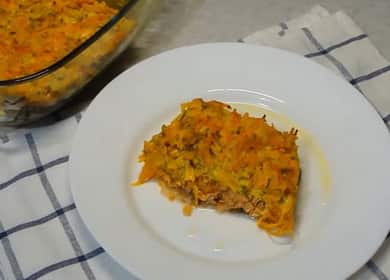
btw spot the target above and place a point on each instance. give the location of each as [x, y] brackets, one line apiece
[211, 155]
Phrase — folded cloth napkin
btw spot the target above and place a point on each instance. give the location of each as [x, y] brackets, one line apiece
[41, 233]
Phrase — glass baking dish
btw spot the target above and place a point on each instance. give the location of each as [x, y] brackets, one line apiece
[28, 98]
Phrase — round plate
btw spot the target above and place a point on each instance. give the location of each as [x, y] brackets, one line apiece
[343, 212]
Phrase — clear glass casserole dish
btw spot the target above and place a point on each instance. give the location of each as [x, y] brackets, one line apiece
[29, 97]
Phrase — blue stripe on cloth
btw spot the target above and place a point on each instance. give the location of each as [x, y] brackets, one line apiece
[375, 269]
[56, 205]
[33, 171]
[9, 252]
[62, 264]
[2, 277]
[335, 62]
[371, 75]
[342, 69]
[36, 222]
[386, 119]
[336, 46]
[4, 138]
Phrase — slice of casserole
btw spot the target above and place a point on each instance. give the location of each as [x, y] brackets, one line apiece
[211, 155]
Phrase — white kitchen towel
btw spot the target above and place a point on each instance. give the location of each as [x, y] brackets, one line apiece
[41, 234]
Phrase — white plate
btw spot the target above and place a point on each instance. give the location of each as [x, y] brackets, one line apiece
[339, 226]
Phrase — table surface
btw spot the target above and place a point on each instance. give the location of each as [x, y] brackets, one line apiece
[184, 22]
[178, 23]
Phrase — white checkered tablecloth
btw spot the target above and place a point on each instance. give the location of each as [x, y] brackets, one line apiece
[41, 234]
